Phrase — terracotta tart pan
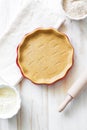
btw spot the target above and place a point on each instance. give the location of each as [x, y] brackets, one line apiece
[44, 56]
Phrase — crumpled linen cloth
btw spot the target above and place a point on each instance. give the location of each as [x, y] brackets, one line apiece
[32, 15]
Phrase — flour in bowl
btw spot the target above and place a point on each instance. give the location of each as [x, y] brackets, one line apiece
[10, 101]
[75, 8]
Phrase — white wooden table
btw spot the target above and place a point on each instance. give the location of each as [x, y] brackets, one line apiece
[40, 102]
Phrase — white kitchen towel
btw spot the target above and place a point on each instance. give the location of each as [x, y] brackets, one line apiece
[33, 15]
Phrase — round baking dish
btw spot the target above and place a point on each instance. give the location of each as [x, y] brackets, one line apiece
[44, 55]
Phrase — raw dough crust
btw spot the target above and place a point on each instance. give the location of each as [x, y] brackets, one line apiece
[45, 55]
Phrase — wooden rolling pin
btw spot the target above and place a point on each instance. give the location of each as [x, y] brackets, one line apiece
[74, 90]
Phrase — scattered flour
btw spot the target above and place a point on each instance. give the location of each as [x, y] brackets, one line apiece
[75, 8]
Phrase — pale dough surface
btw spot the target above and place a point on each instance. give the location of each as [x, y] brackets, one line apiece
[45, 56]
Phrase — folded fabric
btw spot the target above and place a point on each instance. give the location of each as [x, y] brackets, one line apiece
[33, 15]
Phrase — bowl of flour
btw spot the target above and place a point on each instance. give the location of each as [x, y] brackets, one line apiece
[10, 101]
[75, 9]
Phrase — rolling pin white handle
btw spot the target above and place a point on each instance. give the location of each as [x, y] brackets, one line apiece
[74, 91]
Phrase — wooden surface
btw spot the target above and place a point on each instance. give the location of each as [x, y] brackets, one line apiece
[40, 102]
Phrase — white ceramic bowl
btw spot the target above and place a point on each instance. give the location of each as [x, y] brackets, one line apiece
[70, 17]
[14, 110]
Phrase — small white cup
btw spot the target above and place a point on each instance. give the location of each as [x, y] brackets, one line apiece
[70, 17]
[13, 112]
